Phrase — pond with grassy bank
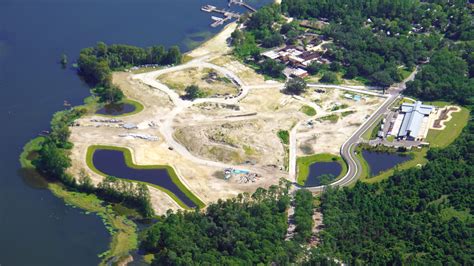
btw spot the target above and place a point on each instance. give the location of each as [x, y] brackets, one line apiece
[118, 162]
[124, 108]
[320, 169]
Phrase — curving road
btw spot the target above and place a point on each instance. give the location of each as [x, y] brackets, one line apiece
[347, 150]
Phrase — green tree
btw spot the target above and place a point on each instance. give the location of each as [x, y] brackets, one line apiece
[52, 161]
[314, 68]
[193, 92]
[272, 68]
[296, 86]
[173, 56]
[329, 77]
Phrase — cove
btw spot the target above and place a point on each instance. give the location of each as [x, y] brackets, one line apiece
[382, 161]
[113, 163]
[116, 109]
[318, 169]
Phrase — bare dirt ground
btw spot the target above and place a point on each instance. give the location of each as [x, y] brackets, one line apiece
[210, 134]
[218, 86]
[326, 136]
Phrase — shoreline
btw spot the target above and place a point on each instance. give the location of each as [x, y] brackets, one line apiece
[123, 231]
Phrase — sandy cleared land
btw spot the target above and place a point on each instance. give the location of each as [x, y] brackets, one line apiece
[218, 86]
[326, 136]
[211, 134]
[216, 46]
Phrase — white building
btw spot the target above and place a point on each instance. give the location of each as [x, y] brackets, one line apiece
[412, 122]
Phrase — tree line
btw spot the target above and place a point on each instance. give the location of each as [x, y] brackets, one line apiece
[53, 161]
[97, 63]
[248, 229]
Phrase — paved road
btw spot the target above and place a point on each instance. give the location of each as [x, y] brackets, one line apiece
[347, 149]
[292, 153]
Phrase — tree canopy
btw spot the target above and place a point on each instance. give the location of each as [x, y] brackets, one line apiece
[97, 63]
[446, 77]
[296, 86]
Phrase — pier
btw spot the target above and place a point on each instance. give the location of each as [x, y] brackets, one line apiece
[228, 15]
[242, 3]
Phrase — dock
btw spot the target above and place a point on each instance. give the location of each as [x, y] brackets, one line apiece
[242, 3]
[228, 15]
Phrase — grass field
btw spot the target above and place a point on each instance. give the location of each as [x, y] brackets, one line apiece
[308, 110]
[346, 113]
[303, 164]
[129, 162]
[332, 118]
[371, 133]
[454, 127]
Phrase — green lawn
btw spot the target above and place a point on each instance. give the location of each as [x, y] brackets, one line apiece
[371, 133]
[405, 72]
[129, 162]
[308, 110]
[346, 113]
[303, 164]
[332, 118]
[454, 127]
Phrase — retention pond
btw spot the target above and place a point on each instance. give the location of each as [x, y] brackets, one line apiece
[112, 162]
[322, 171]
[382, 161]
[116, 109]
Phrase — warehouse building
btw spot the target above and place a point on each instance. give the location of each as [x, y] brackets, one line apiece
[413, 121]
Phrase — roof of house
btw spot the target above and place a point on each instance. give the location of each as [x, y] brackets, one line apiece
[309, 55]
[271, 54]
[414, 114]
[300, 72]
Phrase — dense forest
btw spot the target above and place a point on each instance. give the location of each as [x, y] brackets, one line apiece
[445, 77]
[371, 40]
[239, 231]
[97, 63]
[419, 216]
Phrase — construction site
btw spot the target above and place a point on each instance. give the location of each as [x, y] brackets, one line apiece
[227, 142]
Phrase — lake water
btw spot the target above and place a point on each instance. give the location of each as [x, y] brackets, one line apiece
[116, 109]
[383, 161]
[36, 228]
[316, 170]
[112, 162]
